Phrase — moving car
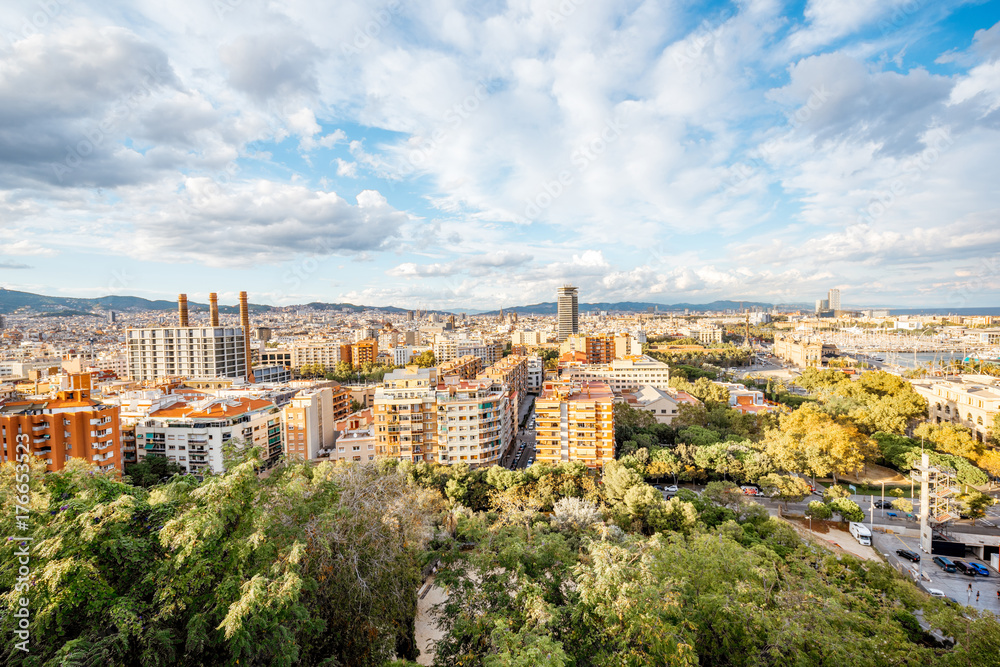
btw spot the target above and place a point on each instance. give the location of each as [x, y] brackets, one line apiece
[670, 489]
[883, 504]
[908, 555]
[944, 563]
[750, 490]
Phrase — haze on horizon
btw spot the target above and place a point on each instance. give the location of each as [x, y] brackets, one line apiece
[482, 154]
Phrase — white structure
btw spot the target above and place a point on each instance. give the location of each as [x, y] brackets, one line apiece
[447, 348]
[623, 374]
[193, 434]
[188, 351]
[475, 420]
[536, 373]
[357, 445]
[833, 298]
[529, 338]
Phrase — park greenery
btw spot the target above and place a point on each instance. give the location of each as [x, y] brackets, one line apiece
[554, 565]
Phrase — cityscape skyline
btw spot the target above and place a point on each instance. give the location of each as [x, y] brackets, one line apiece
[455, 157]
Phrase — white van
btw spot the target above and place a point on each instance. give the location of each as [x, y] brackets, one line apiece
[861, 533]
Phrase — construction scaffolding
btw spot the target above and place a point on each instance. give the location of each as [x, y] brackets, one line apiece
[938, 497]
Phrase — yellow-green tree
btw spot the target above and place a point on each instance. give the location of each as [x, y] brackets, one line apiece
[812, 442]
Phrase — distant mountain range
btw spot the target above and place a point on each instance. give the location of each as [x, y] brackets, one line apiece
[549, 307]
[12, 300]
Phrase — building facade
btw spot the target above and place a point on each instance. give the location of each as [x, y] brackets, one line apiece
[623, 375]
[309, 424]
[193, 435]
[575, 422]
[972, 401]
[71, 425]
[567, 312]
[186, 351]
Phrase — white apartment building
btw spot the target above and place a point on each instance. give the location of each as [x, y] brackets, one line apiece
[623, 375]
[968, 400]
[326, 353]
[357, 445]
[474, 422]
[188, 351]
[193, 434]
[536, 373]
[447, 348]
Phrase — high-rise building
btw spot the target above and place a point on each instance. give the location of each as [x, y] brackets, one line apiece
[70, 425]
[833, 298]
[111, 318]
[193, 351]
[190, 351]
[568, 312]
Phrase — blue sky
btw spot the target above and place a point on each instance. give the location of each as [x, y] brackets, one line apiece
[479, 154]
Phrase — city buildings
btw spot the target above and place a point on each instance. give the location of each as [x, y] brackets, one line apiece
[465, 368]
[575, 421]
[406, 414]
[803, 351]
[602, 348]
[972, 401]
[309, 424]
[567, 318]
[70, 425]
[622, 375]
[448, 347]
[193, 433]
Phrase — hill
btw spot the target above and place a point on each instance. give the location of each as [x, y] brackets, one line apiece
[549, 307]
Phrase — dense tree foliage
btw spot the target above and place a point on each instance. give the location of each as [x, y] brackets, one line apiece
[311, 565]
[152, 470]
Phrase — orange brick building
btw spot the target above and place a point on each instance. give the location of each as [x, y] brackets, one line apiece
[71, 425]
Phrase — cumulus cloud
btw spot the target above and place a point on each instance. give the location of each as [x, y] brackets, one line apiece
[275, 65]
[258, 222]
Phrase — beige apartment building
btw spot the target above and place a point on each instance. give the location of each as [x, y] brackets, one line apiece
[575, 422]
[447, 348]
[406, 414]
[529, 338]
[968, 400]
[309, 424]
[602, 348]
[466, 367]
[420, 416]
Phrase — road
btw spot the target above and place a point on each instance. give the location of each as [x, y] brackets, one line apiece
[524, 436]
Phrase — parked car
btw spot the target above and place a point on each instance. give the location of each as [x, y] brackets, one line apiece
[963, 567]
[980, 570]
[751, 490]
[908, 555]
[936, 593]
[944, 563]
[670, 489]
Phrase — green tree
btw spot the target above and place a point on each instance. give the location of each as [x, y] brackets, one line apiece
[151, 470]
[618, 478]
[819, 510]
[835, 491]
[847, 509]
[786, 488]
[903, 505]
[975, 504]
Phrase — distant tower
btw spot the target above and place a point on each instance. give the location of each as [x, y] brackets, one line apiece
[568, 318]
[833, 296]
[111, 318]
[3, 324]
[501, 314]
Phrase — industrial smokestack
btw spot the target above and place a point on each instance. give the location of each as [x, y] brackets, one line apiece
[213, 309]
[245, 323]
[182, 310]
